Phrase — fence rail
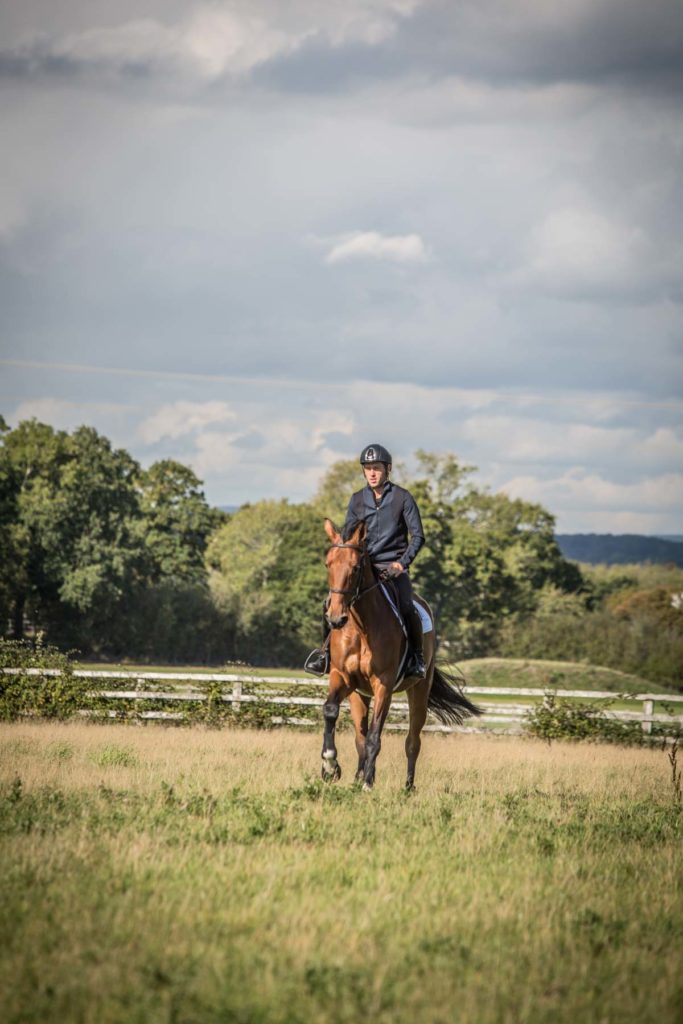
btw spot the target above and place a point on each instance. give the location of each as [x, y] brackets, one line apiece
[500, 716]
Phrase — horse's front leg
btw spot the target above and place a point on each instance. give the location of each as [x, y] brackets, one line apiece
[360, 705]
[373, 740]
[330, 770]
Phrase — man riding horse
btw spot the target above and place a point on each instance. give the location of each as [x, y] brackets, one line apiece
[394, 537]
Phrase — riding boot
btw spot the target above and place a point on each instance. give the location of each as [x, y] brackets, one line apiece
[318, 661]
[416, 661]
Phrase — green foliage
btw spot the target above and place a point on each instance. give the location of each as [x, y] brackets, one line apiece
[642, 634]
[42, 695]
[267, 570]
[557, 719]
[102, 555]
[177, 522]
[121, 562]
[113, 756]
[178, 623]
[336, 487]
[486, 556]
[73, 551]
[603, 581]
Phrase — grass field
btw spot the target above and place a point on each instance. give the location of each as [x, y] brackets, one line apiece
[186, 875]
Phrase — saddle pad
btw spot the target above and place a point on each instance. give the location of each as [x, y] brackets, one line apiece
[427, 624]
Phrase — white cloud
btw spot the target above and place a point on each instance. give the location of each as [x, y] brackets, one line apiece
[183, 418]
[580, 251]
[663, 445]
[505, 438]
[577, 490]
[373, 245]
[520, 439]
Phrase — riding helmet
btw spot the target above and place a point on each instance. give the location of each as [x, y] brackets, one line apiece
[375, 453]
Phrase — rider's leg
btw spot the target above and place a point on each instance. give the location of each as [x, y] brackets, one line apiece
[411, 616]
[318, 661]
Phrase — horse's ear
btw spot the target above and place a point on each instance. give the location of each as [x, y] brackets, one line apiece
[360, 533]
[331, 531]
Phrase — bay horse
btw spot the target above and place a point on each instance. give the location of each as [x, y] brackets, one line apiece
[366, 649]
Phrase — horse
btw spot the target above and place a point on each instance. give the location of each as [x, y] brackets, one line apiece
[367, 645]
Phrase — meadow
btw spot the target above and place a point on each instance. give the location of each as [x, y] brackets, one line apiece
[186, 875]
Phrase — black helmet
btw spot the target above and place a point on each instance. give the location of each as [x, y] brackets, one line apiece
[375, 453]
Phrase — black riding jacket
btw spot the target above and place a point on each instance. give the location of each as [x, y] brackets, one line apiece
[389, 522]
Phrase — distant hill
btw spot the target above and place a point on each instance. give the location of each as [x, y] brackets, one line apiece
[619, 549]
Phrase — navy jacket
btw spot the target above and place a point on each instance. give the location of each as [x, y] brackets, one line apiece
[389, 523]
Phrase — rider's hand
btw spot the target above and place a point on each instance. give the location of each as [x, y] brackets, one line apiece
[395, 569]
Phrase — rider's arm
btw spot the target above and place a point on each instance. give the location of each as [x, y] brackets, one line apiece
[411, 514]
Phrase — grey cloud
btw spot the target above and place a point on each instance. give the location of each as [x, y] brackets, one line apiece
[181, 236]
[495, 41]
[501, 42]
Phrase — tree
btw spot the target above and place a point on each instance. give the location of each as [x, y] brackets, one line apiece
[31, 460]
[486, 557]
[177, 522]
[336, 487]
[74, 548]
[267, 568]
[90, 533]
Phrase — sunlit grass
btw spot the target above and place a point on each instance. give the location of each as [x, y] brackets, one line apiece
[154, 874]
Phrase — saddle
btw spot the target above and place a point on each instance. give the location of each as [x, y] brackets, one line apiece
[389, 588]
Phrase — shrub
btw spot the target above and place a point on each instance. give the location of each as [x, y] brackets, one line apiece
[44, 695]
[557, 719]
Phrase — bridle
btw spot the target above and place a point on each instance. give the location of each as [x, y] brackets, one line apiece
[358, 569]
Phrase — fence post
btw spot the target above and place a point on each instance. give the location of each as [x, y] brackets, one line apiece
[648, 709]
[236, 694]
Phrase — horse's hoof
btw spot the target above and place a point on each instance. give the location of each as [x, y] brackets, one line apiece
[330, 771]
[367, 788]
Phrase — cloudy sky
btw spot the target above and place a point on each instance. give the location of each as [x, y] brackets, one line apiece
[255, 235]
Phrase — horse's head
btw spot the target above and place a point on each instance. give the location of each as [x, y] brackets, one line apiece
[345, 566]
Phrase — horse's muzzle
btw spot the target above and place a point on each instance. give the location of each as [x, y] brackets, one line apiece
[337, 622]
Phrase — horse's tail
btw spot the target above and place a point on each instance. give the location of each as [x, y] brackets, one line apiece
[448, 702]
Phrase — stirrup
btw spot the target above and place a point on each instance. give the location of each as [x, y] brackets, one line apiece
[318, 662]
[416, 668]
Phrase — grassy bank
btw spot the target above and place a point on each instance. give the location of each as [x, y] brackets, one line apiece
[157, 875]
[513, 672]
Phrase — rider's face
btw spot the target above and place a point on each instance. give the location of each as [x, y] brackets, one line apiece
[375, 473]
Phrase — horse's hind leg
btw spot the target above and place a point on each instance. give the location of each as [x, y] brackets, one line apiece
[331, 770]
[359, 713]
[418, 696]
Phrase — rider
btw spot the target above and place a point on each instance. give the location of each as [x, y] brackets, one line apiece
[391, 514]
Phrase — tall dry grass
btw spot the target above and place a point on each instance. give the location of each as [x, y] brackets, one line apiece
[156, 874]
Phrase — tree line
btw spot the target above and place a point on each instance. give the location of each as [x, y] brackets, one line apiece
[117, 561]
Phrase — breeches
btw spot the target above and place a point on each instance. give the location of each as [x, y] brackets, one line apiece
[405, 594]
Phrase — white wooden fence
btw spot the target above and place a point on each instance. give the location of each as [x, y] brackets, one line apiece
[500, 716]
